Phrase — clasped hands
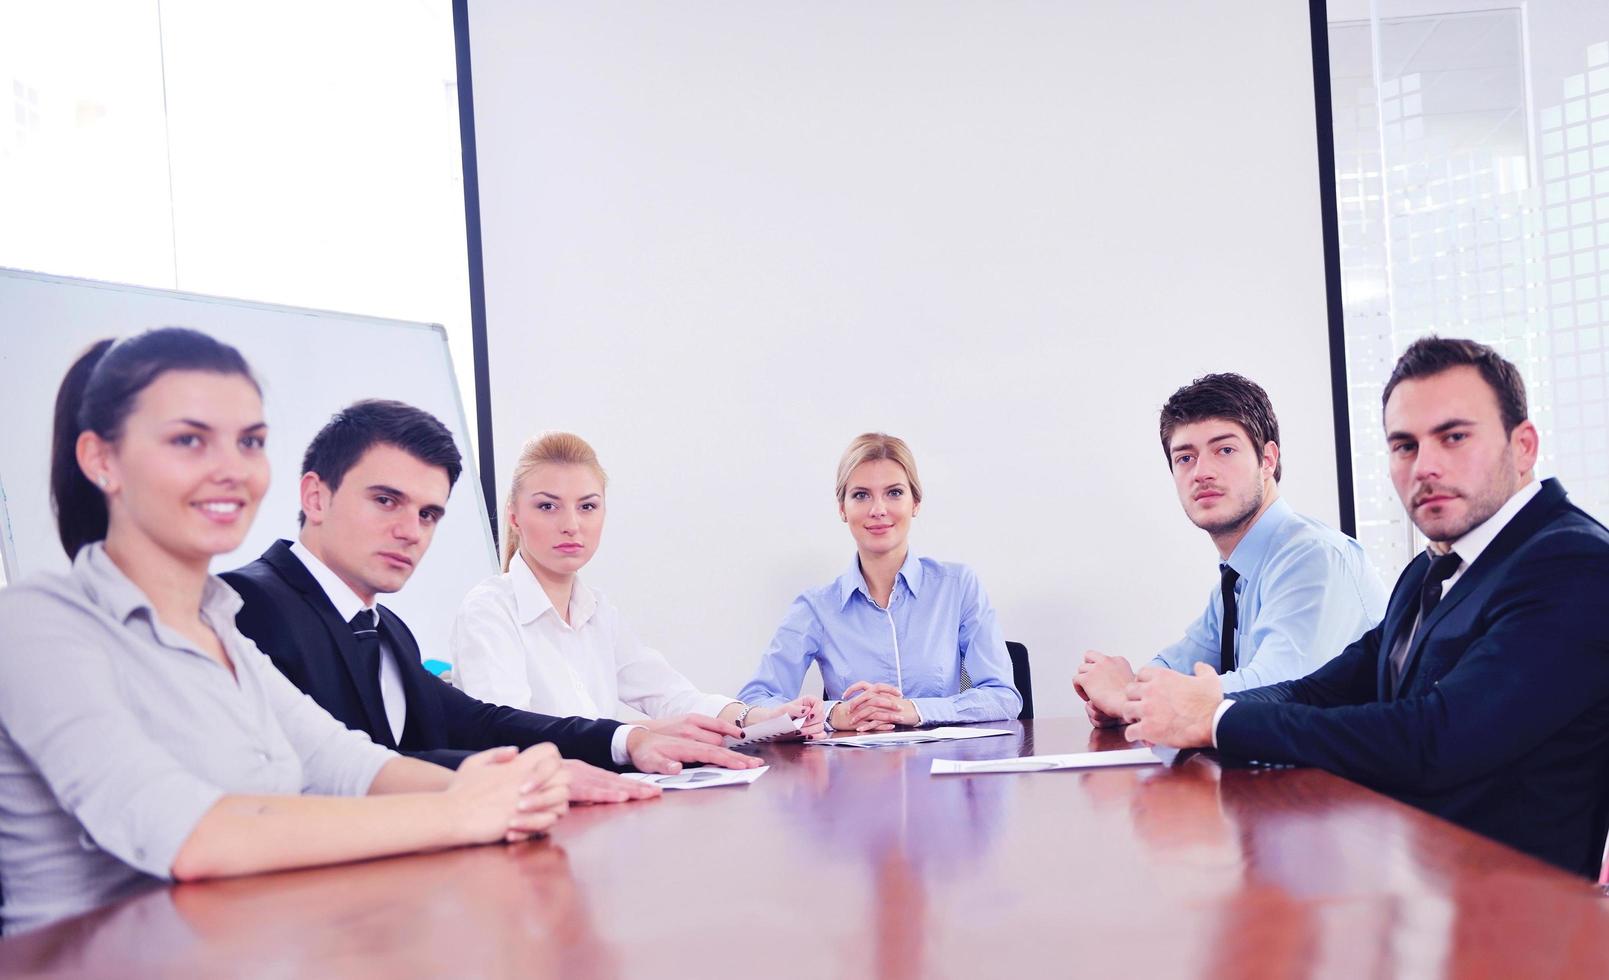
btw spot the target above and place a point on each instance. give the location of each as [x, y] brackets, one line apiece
[1158, 706]
[878, 708]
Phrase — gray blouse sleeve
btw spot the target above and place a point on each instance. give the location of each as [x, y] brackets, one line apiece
[336, 760]
[64, 715]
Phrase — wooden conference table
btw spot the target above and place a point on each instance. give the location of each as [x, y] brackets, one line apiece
[857, 862]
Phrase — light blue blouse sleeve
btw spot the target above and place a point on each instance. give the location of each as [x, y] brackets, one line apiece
[993, 695]
[782, 668]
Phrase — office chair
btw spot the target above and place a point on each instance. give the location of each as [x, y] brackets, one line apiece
[1020, 676]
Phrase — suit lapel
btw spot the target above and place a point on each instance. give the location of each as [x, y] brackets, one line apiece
[366, 682]
[1399, 617]
[1519, 530]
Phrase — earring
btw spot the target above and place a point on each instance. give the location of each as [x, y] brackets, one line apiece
[100, 481]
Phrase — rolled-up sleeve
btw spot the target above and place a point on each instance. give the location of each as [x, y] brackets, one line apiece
[60, 705]
[336, 761]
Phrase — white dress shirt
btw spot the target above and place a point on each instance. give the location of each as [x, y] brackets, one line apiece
[510, 646]
[1469, 548]
[347, 604]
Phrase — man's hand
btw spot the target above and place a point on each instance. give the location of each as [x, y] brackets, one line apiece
[501, 794]
[1103, 681]
[589, 784]
[653, 752]
[1174, 709]
[878, 708]
[807, 707]
[699, 728]
[1101, 719]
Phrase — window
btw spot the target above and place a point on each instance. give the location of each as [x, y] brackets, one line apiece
[1472, 179]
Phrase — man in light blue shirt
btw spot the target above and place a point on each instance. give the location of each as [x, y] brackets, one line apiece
[1297, 592]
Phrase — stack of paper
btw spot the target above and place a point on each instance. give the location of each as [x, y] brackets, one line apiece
[777, 729]
[707, 778]
[917, 737]
[1037, 763]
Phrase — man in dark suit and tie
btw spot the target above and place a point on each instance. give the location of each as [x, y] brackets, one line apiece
[374, 485]
[1483, 696]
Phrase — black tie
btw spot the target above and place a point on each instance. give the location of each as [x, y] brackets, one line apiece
[1441, 569]
[367, 635]
[1226, 647]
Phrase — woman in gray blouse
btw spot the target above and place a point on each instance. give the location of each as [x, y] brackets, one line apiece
[142, 738]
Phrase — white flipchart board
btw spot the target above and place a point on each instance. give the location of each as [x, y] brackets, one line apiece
[309, 362]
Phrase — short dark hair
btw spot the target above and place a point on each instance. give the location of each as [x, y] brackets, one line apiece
[97, 395]
[1432, 355]
[361, 426]
[1223, 396]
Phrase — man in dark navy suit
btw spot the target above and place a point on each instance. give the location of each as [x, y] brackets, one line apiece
[1483, 696]
[375, 482]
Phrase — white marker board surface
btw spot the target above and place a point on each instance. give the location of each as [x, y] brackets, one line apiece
[310, 364]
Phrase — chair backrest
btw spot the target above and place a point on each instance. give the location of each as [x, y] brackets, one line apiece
[1021, 677]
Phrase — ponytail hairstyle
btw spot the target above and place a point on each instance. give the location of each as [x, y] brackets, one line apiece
[550, 447]
[98, 394]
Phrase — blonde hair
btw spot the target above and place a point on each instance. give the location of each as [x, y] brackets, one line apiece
[550, 447]
[878, 445]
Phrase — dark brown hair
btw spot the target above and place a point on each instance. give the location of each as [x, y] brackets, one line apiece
[1223, 396]
[1433, 355]
[359, 427]
[97, 396]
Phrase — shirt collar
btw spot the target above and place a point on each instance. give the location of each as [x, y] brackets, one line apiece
[1479, 537]
[531, 600]
[346, 602]
[118, 595]
[852, 581]
[1254, 547]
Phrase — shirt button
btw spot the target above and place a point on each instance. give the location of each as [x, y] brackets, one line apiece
[262, 756]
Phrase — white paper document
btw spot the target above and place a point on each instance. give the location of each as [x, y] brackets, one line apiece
[708, 777]
[778, 729]
[918, 737]
[1038, 763]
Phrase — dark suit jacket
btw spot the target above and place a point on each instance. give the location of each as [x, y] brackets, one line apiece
[290, 618]
[1501, 722]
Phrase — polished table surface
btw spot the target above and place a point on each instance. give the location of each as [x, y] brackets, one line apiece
[857, 862]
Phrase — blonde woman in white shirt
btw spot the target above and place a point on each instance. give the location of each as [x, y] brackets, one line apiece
[536, 637]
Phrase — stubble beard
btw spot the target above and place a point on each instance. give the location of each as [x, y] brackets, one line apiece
[1492, 495]
[1242, 516]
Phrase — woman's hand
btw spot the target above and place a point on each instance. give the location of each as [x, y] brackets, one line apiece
[807, 707]
[878, 708]
[699, 728]
[589, 784]
[653, 752]
[501, 794]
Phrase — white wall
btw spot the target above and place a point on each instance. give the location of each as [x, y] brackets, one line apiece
[723, 238]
